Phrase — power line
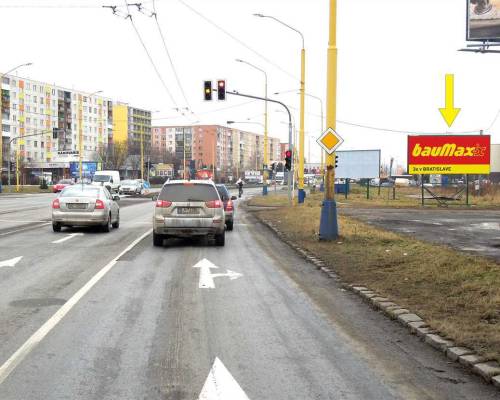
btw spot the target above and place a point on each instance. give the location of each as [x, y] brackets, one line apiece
[239, 41]
[60, 5]
[129, 16]
[155, 14]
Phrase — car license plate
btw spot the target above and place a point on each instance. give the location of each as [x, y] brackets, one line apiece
[187, 210]
[77, 206]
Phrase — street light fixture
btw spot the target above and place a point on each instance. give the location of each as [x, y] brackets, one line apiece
[266, 153]
[1, 128]
[301, 196]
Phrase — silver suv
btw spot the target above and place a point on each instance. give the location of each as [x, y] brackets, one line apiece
[186, 209]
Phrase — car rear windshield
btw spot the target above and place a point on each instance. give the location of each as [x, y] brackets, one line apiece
[128, 182]
[65, 181]
[78, 191]
[102, 178]
[223, 192]
[183, 192]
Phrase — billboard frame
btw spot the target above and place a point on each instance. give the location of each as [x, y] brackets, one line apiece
[362, 150]
[467, 32]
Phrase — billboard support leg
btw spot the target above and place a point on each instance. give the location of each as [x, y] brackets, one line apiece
[346, 187]
[368, 189]
[466, 189]
[422, 187]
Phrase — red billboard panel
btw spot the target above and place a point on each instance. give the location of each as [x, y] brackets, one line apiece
[449, 154]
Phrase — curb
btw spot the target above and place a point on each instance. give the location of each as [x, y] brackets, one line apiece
[489, 370]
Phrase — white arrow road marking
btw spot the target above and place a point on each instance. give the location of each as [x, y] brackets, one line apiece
[207, 279]
[70, 236]
[10, 263]
[220, 385]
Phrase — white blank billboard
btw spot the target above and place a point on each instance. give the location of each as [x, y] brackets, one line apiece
[495, 158]
[358, 164]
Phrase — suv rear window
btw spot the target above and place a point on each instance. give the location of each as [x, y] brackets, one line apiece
[223, 192]
[182, 192]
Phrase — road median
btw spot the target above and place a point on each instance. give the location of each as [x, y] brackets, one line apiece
[457, 294]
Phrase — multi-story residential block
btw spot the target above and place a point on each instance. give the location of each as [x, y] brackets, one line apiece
[226, 151]
[47, 126]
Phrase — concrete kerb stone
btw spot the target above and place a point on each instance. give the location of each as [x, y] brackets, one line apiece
[377, 300]
[415, 325]
[487, 370]
[453, 353]
[438, 342]
[394, 313]
[470, 360]
[496, 381]
[423, 332]
[405, 319]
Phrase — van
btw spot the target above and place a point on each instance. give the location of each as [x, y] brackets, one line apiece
[109, 179]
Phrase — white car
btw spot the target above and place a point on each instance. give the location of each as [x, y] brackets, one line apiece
[131, 186]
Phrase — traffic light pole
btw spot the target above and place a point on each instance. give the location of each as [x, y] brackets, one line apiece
[328, 229]
[290, 173]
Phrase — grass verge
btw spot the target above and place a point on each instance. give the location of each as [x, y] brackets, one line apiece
[456, 293]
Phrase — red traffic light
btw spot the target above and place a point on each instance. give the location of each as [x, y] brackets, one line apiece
[288, 154]
[221, 90]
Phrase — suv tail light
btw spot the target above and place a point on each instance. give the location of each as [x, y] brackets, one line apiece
[214, 204]
[56, 204]
[163, 203]
[229, 205]
[99, 204]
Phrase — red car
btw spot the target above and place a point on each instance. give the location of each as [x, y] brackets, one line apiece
[61, 185]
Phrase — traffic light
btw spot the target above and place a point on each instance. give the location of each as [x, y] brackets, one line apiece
[55, 132]
[221, 90]
[336, 161]
[208, 90]
[288, 160]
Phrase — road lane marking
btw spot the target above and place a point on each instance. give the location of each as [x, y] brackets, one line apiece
[206, 280]
[24, 229]
[70, 236]
[10, 263]
[21, 353]
[220, 385]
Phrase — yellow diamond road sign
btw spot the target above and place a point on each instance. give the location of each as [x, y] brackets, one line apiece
[330, 140]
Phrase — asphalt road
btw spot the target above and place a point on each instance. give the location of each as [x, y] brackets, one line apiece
[84, 319]
[474, 231]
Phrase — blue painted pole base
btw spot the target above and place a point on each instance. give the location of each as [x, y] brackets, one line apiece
[322, 187]
[302, 196]
[328, 225]
[264, 190]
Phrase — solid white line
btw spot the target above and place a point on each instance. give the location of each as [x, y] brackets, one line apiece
[16, 358]
[24, 229]
[70, 236]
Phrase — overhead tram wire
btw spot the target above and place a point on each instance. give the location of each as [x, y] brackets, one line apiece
[176, 75]
[129, 16]
[59, 5]
[239, 41]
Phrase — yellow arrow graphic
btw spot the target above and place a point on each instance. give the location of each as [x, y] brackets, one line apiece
[449, 113]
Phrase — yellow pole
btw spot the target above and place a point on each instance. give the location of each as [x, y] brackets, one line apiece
[142, 152]
[301, 196]
[266, 154]
[17, 164]
[328, 229]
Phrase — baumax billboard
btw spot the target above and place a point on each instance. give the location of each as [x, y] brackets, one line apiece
[449, 154]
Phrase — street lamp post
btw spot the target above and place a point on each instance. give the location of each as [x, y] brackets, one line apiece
[266, 145]
[301, 196]
[328, 228]
[1, 116]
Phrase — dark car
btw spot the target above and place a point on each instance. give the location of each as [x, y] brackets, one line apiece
[228, 205]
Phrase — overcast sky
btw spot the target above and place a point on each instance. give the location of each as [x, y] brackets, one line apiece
[393, 55]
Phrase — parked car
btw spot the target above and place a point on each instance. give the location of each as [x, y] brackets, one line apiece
[85, 205]
[228, 200]
[187, 209]
[130, 186]
[109, 179]
[62, 184]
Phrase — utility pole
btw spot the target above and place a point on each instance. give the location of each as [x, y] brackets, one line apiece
[328, 229]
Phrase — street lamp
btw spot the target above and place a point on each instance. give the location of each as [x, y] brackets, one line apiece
[266, 153]
[1, 127]
[80, 132]
[301, 196]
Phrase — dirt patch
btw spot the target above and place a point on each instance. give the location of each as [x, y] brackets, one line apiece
[456, 293]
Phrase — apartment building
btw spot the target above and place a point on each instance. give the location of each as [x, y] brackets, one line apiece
[131, 126]
[225, 150]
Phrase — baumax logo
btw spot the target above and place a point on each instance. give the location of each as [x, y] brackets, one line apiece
[448, 150]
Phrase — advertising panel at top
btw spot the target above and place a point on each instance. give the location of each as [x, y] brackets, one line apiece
[358, 164]
[483, 20]
[449, 154]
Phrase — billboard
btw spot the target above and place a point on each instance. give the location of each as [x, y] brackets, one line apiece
[449, 154]
[483, 20]
[88, 169]
[358, 164]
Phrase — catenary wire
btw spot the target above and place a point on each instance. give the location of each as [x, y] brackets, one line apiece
[239, 41]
